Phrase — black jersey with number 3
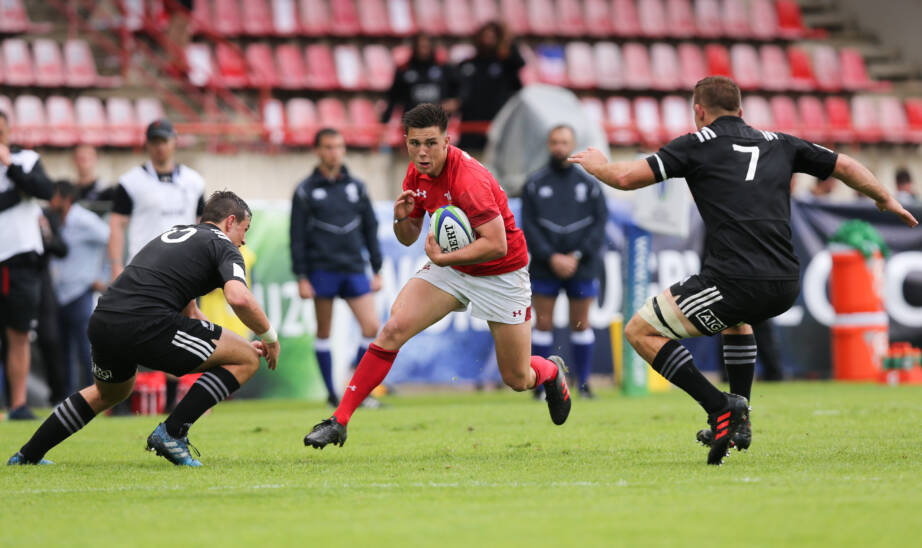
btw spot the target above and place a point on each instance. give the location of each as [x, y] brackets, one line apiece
[181, 264]
[740, 178]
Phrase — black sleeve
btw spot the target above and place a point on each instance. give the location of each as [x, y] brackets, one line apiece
[673, 160]
[299, 240]
[396, 95]
[55, 244]
[35, 183]
[200, 206]
[9, 198]
[596, 237]
[535, 238]
[811, 158]
[230, 261]
[122, 202]
[370, 231]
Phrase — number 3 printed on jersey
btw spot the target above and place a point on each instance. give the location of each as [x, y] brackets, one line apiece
[753, 159]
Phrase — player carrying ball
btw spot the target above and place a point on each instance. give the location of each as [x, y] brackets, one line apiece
[491, 274]
[740, 178]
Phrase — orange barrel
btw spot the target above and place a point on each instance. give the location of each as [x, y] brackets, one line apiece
[856, 284]
[859, 344]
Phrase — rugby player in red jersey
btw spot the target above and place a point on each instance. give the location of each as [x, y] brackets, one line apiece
[490, 274]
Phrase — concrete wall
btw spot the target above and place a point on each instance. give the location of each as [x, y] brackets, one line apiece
[896, 22]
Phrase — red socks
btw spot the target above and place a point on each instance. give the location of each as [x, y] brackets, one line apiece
[545, 370]
[372, 369]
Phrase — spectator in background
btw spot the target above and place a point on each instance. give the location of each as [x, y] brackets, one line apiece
[46, 331]
[487, 80]
[89, 189]
[332, 225]
[904, 192]
[422, 79]
[563, 218]
[22, 180]
[76, 277]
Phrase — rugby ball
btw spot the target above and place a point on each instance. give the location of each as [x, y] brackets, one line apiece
[451, 228]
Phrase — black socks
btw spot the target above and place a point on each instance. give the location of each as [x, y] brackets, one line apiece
[212, 387]
[675, 363]
[69, 416]
[739, 353]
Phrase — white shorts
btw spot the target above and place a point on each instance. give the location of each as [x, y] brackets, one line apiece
[504, 298]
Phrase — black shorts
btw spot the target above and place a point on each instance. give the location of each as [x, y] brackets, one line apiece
[172, 343]
[20, 292]
[713, 304]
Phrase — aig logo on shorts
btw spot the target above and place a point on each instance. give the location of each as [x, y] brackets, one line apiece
[101, 374]
[711, 322]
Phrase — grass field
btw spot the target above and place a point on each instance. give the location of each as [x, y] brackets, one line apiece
[830, 465]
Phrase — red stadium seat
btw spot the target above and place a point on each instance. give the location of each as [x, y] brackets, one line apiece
[718, 60]
[665, 64]
[609, 67]
[624, 19]
[784, 114]
[638, 74]
[677, 116]
[647, 118]
[123, 130]
[91, 120]
[379, 67]
[513, 13]
[580, 65]
[49, 65]
[400, 15]
[652, 18]
[756, 112]
[79, 64]
[708, 19]
[344, 19]
[302, 121]
[620, 117]
[363, 123]
[813, 119]
[551, 65]
[598, 18]
[284, 17]
[17, 63]
[893, 120]
[790, 22]
[62, 124]
[261, 68]
[332, 113]
[826, 68]
[321, 69]
[315, 17]
[735, 19]
[680, 19]
[349, 71]
[594, 110]
[201, 17]
[274, 121]
[839, 120]
[226, 20]
[775, 73]
[431, 19]
[802, 77]
[31, 129]
[232, 68]
[148, 109]
[292, 74]
[691, 65]
[13, 17]
[854, 72]
[541, 17]
[201, 67]
[746, 69]
[763, 21]
[257, 18]
[914, 118]
[484, 10]
[866, 119]
[133, 14]
[570, 20]
[458, 17]
[373, 17]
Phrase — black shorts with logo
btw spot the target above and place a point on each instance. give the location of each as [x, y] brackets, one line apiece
[713, 304]
[20, 292]
[172, 343]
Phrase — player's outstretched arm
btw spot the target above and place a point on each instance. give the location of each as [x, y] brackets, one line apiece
[629, 175]
[406, 228]
[490, 244]
[248, 310]
[856, 175]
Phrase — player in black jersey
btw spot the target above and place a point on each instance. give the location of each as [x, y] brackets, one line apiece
[149, 317]
[740, 178]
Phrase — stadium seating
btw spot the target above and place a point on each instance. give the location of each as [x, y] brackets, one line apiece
[551, 65]
[839, 120]
[784, 114]
[680, 18]
[344, 19]
[763, 20]
[17, 63]
[708, 20]
[677, 116]
[514, 15]
[813, 118]
[201, 67]
[261, 67]
[123, 130]
[854, 72]
[13, 17]
[80, 67]
[284, 18]
[745, 66]
[91, 120]
[776, 76]
[580, 66]
[598, 18]
[866, 119]
[484, 10]
[402, 21]
[257, 18]
[30, 129]
[801, 68]
[735, 19]
[226, 17]
[652, 18]
[790, 22]
[292, 73]
[321, 69]
[647, 119]
[201, 17]
[331, 113]
[692, 66]
[594, 109]
[148, 109]
[893, 121]
[363, 119]
[664, 66]
[608, 66]
[49, 65]
[232, 67]
[373, 17]
[430, 17]
[826, 68]
[620, 115]
[757, 113]
[637, 71]
[62, 123]
[459, 17]
[349, 69]
[302, 121]
[569, 18]
[625, 21]
[379, 65]
[718, 60]
[914, 119]
[274, 121]
[315, 17]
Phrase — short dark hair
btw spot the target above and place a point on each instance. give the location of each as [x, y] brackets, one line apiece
[717, 92]
[223, 203]
[562, 126]
[324, 132]
[425, 115]
[66, 189]
[903, 176]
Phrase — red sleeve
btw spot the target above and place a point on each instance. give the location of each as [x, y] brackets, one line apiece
[409, 183]
[478, 201]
